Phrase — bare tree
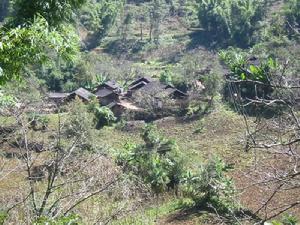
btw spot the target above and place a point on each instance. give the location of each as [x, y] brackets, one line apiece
[272, 124]
[62, 174]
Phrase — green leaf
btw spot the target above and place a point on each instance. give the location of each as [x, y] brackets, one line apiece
[243, 76]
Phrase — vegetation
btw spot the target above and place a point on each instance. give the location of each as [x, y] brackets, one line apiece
[235, 20]
[156, 162]
[193, 146]
[211, 187]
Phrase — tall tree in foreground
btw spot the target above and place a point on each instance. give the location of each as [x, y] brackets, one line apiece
[36, 31]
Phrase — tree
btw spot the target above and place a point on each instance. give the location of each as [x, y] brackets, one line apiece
[155, 20]
[233, 21]
[54, 12]
[34, 34]
[31, 44]
[58, 182]
[292, 14]
[98, 17]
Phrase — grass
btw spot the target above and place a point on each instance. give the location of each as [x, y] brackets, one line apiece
[149, 215]
[6, 121]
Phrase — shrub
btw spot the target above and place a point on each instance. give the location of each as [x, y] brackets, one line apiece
[287, 219]
[166, 77]
[104, 116]
[3, 217]
[79, 124]
[210, 186]
[241, 69]
[38, 121]
[156, 161]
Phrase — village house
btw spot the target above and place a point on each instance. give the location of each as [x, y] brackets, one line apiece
[154, 88]
[118, 108]
[57, 98]
[108, 92]
[82, 94]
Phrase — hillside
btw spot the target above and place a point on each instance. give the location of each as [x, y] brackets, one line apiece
[149, 112]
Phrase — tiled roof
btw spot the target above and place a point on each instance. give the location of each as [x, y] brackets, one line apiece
[57, 95]
[104, 92]
[83, 93]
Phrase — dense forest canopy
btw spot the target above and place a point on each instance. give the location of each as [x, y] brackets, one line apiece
[149, 111]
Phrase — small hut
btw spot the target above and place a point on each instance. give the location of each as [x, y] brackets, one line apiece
[82, 94]
[57, 98]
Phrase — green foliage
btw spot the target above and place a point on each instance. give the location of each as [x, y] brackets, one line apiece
[98, 17]
[7, 100]
[210, 186]
[292, 14]
[242, 69]
[287, 219]
[55, 12]
[166, 77]
[232, 20]
[38, 120]
[32, 44]
[104, 116]
[79, 124]
[212, 84]
[3, 217]
[71, 219]
[156, 162]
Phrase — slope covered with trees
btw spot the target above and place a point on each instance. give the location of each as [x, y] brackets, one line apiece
[210, 134]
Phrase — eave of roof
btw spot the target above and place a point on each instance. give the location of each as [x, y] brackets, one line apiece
[83, 93]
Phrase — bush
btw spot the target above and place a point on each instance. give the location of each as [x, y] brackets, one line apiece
[38, 121]
[166, 77]
[241, 69]
[104, 116]
[210, 186]
[156, 161]
[80, 124]
[3, 217]
[287, 219]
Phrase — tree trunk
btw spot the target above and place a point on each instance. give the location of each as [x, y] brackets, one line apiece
[141, 27]
[150, 33]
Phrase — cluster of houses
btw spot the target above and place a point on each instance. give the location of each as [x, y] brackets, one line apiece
[112, 95]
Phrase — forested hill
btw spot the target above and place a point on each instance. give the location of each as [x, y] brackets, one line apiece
[150, 112]
[121, 40]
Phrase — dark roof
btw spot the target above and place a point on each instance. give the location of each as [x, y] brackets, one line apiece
[54, 95]
[175, 91]
[104, 92]
[112, 104]
[159, 89]
[154, 86]
[112, 84]
[138, 85]
[140, 79]
[83, 93]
